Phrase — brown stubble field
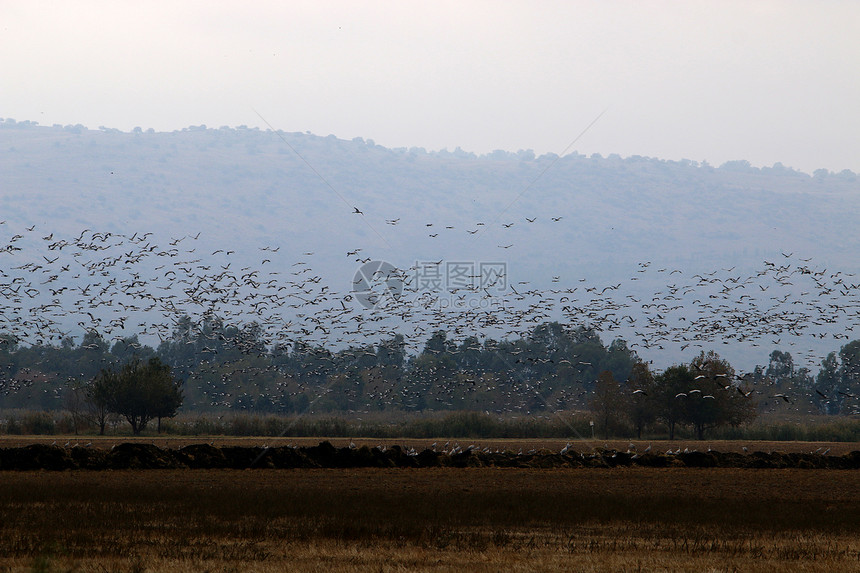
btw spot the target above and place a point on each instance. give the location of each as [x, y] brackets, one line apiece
[445, 519]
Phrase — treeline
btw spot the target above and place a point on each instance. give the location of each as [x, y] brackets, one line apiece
[708, 394]
[225, 367]
[702, 396]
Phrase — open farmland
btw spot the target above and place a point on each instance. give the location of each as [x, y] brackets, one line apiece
[431, 519]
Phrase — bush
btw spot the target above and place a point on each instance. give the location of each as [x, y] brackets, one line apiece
[37, 423]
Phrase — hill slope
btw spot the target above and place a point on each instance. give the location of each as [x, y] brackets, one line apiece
[566, 224]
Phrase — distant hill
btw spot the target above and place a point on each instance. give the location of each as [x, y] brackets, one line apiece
[556, 222]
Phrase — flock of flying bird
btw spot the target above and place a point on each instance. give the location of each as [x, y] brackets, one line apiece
[122, 284]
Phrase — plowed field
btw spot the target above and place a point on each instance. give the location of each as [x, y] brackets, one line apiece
[480, 519]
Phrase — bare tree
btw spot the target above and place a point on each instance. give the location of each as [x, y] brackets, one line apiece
[75, 402]
[607, 403]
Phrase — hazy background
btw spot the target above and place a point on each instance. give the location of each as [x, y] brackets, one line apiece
[696, 85]
[715, 81]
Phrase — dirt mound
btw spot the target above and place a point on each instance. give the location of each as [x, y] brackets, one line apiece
[325, 455]
[141, 457]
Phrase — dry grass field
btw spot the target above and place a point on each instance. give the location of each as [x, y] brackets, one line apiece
[621, 519]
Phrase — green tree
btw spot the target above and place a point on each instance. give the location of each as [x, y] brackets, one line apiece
[827, 385]
[670, 392]
[139, 391]
[127, 348]
[780, 369]
[8, 361]
[849, 389]
[640, 406]
[392, 351]
[712, 401]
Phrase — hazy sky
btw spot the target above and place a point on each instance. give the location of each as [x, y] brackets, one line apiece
[714, 81]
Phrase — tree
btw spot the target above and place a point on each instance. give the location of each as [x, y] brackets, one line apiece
[620, 359]
[8, 360]
[640, 406]
[127, 348]
[780, 369]
[838, 380]
[607, 403]
[75, 402]
[702, 394]
[827, 385]
[469, 354]
[139, 391]
[670, 389]
[438, 344]
[391, 352]
[712, 401]
[849, 355]
[97, 411]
